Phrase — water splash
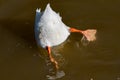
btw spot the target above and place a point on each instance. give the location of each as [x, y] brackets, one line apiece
[53, 72]
[59, 74]
[60, 59]
[84, 41]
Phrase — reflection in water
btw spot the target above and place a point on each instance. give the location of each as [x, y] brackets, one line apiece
[84, 41]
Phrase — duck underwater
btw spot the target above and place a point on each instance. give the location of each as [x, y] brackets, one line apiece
[50, 31]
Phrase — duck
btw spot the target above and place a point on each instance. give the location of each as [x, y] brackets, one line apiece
[51, 31]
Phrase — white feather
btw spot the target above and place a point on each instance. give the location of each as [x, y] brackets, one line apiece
[49, 28]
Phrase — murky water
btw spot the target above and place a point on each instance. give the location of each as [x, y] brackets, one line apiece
[19, 55]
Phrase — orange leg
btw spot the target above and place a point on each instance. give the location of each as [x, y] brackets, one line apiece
[51, 58]
[75, 30]
[89, 34]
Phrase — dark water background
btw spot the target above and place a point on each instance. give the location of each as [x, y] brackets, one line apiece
[99, 60]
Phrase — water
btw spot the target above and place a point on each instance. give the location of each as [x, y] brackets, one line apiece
[19, 55]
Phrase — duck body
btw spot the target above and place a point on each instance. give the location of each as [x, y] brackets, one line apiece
[51, 31]
[49, 28]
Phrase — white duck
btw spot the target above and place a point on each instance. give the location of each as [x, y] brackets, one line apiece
[51, 31]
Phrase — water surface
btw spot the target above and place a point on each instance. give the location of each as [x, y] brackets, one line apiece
[99, 60]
